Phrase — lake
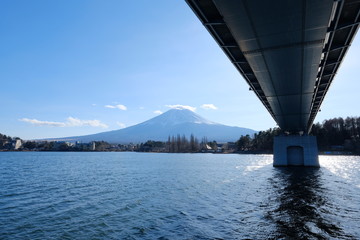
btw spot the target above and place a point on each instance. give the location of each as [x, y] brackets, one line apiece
[113, 195]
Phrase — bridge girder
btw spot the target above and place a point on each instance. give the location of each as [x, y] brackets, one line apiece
[288, 51]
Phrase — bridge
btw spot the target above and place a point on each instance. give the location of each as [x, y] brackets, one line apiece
[288, 51]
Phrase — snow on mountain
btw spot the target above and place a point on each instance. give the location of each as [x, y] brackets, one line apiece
[177, 116]
[170, 123]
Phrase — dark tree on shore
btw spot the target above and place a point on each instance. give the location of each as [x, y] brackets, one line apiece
[337, 132]
[180, 144]
[244, 143]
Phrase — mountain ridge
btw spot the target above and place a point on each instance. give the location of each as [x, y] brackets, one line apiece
[170, 123]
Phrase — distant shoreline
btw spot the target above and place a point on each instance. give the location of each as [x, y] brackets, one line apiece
[322, 153]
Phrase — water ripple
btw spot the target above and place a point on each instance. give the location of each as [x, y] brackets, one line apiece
[175, 196]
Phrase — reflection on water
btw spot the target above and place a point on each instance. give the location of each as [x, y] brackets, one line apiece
[346, 168]
[302, 205]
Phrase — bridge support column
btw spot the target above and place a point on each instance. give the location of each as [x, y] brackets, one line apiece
[296, 151]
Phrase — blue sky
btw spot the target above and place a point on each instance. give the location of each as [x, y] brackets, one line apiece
[80, 67]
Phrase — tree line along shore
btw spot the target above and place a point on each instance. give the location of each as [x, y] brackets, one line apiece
[334, 136]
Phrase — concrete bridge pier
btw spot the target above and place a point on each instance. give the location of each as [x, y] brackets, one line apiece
[296, 150]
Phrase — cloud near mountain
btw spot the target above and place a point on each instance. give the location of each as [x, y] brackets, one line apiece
[181, 107]
[209, 106]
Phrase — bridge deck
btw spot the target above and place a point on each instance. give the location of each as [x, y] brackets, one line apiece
[287, 51]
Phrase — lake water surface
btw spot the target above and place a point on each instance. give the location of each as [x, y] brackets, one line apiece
[50, 195]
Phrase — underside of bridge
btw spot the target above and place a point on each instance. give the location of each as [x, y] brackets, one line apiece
[288, 51]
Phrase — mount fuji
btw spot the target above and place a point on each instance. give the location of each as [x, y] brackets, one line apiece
[170, 123]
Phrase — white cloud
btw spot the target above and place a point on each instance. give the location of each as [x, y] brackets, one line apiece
[121, 107]
[43, 123]
[70, 122]
[209, 106]
[158, 112]
[118, 106]
[109, 106]
[178, 106]
[75, 122]
[121, 125]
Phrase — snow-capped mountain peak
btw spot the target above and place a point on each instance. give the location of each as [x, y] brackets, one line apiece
[177, 116]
